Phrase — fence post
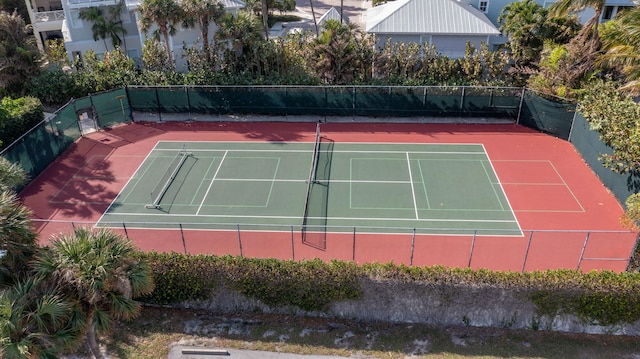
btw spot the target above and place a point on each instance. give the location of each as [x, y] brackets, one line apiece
[520, 106]
[462, 99]
[473, 243]
[184, 245]
[186, 91]
[126, 234]
[413, 245]
[353, 250]
[526, 252]
[293, 253]
[584, 247]
[158, 103]
[573, 122]
[239, 240]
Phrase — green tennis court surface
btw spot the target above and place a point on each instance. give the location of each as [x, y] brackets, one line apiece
[378, 188]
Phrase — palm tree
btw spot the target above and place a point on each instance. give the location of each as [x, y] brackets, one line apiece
[115, 17]
[202, 11]
[590, 29]
[241, 30]
[335, 52]
[99, 27]
[17, 239]
[621, 40]
[36, 321]
[99, 269]
[165, 14]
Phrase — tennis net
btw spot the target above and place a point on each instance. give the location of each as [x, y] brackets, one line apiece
[167, 178]
[312, 176]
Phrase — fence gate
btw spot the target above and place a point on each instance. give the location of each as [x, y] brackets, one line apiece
[87, 120]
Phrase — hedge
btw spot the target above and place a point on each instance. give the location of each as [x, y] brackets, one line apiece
[597, 297]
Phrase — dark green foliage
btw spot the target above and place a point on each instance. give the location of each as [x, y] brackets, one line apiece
[603, 298]
[56, 86]
[18, 116]
[309, 285]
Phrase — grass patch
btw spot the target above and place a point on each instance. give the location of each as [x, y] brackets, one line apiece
[157, 329]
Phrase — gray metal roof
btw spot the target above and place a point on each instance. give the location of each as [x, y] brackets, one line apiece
[232, 4]
[428, 17]
[331, 14]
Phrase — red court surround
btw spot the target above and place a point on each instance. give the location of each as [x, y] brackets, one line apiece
[546, 181]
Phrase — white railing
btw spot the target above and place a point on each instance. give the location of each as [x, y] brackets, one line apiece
[45, 16]
[85, 3]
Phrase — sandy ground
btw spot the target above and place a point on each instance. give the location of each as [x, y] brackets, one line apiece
[354, 11]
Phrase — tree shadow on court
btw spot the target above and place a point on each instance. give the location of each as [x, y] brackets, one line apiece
[79, 185]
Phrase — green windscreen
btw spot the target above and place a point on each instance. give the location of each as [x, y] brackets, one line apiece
[546, 115]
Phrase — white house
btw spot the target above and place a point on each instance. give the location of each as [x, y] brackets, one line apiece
[447, 24]
[60, 19]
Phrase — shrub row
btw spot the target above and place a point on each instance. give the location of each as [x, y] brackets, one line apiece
[603, 297]
[309, 285]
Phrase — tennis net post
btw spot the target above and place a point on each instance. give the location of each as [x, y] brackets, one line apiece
[165, 181]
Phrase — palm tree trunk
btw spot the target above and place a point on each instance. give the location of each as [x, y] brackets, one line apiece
[313, 14]
[265, 18]
[166, 42]
[205, 44]
[93, 344]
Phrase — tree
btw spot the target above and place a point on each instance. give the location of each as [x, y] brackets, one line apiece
[105, 26]
[621, 41]
[19, 55]
[17, 238]
[590, 29]
[202, 12]
[117, 28]
[165, 14]
[528, 25]
[241, 31]
[99, 270]
[95, 15]
[335, 52]
[36, 321]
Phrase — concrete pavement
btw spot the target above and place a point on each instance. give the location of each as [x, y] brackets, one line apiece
[191, 352]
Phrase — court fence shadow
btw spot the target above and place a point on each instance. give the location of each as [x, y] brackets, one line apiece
[530, 250]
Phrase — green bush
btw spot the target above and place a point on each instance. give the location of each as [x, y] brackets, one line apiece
[310, 285]
[18, 116]
[603, 297]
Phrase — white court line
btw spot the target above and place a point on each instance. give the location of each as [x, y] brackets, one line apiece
[413, 191]
[502, 188]
[211, 183]
[173, 215]
[566, 185]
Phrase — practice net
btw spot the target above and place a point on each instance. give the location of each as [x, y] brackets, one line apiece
[167, 178]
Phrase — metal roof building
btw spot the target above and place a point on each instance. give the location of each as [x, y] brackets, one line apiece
[448, 24]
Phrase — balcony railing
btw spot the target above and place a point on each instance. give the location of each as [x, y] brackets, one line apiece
[86, 3]
[45, 16]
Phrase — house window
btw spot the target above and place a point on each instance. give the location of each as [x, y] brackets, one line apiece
[483, 5]
[607, 14]
[76, 22]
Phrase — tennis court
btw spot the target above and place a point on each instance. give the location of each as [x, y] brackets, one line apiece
[482, 196]
[443, 188]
